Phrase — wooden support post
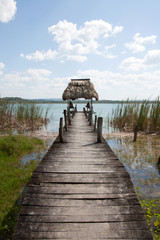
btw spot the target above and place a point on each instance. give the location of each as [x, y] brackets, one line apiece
[135, 133]
[69, 118]
[95, 123]
[90, 117]
[61, 130]
[68, 115]
[99, 130]
[65, 120]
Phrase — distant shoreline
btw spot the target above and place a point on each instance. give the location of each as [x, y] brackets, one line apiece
[58, 101]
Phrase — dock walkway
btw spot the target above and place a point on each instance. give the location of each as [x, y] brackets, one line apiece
[80, 190]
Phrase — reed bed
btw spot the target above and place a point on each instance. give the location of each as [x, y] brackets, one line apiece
[144, 115]
[25, 116]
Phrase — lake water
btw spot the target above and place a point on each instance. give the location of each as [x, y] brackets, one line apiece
[138, 161]
[56, 111]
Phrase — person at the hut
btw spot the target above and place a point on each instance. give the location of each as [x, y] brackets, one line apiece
[70, 104]
[88, 106]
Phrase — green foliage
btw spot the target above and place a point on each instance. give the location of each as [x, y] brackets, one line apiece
[151, 208]
[144, 115]
[14, 177]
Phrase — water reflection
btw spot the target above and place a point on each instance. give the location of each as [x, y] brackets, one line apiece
[140, 160]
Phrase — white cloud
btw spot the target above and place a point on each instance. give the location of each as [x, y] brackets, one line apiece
[107, 53]
[117, 29]
[114, 85]
[63, 31]
[38, 73]
[151, 59]
[41, 55]
[74, 43]
[31, 77]
[108, 84]
[7, 10]
[1, 67]
[138, 45]
[77, 58]
[132, 64]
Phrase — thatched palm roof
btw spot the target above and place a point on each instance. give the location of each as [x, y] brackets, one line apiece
[80, 88]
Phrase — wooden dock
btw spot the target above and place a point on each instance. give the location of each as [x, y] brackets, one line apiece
[81, 190]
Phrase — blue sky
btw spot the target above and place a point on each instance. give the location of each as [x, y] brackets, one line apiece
[45, 43]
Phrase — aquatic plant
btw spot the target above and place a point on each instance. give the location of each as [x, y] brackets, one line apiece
[144, 115]
[22, 116]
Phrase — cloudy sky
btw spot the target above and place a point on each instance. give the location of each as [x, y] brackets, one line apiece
[45, 43]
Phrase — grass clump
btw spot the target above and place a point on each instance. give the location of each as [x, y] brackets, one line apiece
[14, 177]
[22, 116]
[144, 115]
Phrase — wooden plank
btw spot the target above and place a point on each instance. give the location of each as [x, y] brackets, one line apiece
[80, 196]
[70, 227]
[79, 203]
[79, 211]
[83, 175]
[76, 179]
[125, 187]
[112, 234]
[126, 218]
[81, 169]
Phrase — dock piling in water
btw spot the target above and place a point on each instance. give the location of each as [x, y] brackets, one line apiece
[61, 130]
[135, 133]
[90, 117]
[65, 119]
[99, 129]
[95, 123]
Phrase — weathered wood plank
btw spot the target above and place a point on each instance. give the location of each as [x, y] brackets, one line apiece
[125, 187]
[112, 234]
[126, 218]
[81, 169]
[75, 180]
[80, 196]
[70, 227]
[83, 175]
[79, 211]
[79, 203]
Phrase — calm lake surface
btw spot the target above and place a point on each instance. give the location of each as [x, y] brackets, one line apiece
[139, 159]
[56, 111]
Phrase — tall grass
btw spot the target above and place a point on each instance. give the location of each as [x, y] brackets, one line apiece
[29, 116]
[144, 115]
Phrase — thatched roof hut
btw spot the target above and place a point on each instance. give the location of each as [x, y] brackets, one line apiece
[80, 88]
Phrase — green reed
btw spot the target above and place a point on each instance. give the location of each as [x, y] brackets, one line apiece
[144, 115]
[27, 116]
